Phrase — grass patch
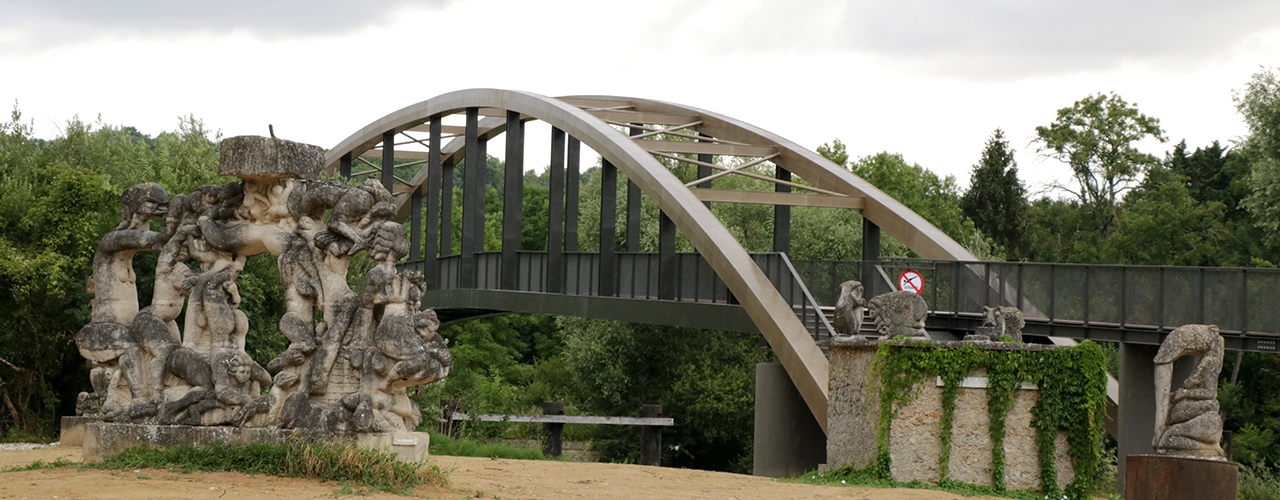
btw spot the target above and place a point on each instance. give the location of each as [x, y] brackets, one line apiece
[869, 477]
[357, 467]
[1258, 482]
[444, 445]
[41, 464]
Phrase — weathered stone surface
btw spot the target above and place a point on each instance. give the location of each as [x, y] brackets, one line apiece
[898, 313]
[915, 434]
[1187, 420]
[104, 439]
[998, 322]
[849, 309]
[855, 342]
[267, 158]
[971, 436]
[346, 372]
[853, 406]
[73, 429]
[915, 437]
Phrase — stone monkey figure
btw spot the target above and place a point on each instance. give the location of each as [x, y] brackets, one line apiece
[349, 317]
[115, 304]
[899, 313]
[154, 331]
[999, 322]
[1187, 420]
[849, 308]
[351, 216]
[238, 381]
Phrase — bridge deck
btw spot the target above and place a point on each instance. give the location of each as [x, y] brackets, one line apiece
[1101, 303]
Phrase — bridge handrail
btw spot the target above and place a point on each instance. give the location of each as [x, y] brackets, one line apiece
[1128, 297]
[695, 280]
[821, 322]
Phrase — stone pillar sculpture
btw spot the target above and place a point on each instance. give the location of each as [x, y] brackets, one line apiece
[849, 309]
[1187, 420]
[345, 372]
[1188, 463]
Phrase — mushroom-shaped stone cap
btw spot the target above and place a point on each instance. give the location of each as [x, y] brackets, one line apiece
[257, 158]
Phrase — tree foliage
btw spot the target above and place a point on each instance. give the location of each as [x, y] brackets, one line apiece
[997, 200]
[1096, 137]
[57, 198]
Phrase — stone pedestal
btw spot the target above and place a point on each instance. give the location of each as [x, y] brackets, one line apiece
[915, 433]
[1159, 477]
[106, 439]
[73, 429]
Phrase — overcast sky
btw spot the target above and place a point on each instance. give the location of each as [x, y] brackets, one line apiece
[929, 79]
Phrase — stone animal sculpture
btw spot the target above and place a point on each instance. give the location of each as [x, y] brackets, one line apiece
[1187, 420]
[849, 308]
[899, 313]
[999, 322]
[350, 356]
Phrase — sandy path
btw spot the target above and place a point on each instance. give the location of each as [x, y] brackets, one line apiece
[469, 478]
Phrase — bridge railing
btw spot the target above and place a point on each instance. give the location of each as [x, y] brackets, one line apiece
[635, 275]
[1242, 300]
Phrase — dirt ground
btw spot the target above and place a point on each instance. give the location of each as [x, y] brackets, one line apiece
[468, 478]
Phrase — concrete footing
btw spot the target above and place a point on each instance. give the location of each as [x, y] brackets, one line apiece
[788, 440]
[106, 439]
[73, 429]
[1158, 477]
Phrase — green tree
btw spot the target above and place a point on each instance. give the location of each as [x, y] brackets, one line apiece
[1061, 231]
[937, 199]
[1096, 137]
[57, 198]
[1259, 105]
[996, 200]
[704, 379]
[1211, 174]
[1162, 224]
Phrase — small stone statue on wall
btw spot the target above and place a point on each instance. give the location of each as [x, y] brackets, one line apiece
[350, 356]
[849, 308]
[899, 313]
[1187, 420]
[999, 322]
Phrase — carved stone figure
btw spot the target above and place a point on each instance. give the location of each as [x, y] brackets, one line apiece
[898, 313]
[999, 322]
[1187, 420]
[113, 284]
[849, 308]
[346, 372]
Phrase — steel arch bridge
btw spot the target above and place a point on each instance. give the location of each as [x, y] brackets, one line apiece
[626, 133]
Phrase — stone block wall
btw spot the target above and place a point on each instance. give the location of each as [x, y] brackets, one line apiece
[915, 442]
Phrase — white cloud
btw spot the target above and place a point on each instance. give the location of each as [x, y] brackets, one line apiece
[37, 25]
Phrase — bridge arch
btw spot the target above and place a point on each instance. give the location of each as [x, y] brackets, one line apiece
[591, 120]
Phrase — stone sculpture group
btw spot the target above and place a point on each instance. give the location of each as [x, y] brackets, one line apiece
[345, 370]
[900, 313]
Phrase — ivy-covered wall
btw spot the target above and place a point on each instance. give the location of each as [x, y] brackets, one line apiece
[885, 395]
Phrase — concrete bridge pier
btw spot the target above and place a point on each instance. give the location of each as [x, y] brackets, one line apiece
[788, 440]
[1136, 422]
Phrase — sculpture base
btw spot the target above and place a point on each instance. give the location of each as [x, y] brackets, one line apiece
[1152, 477]
[106, 439]
[73, 429]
